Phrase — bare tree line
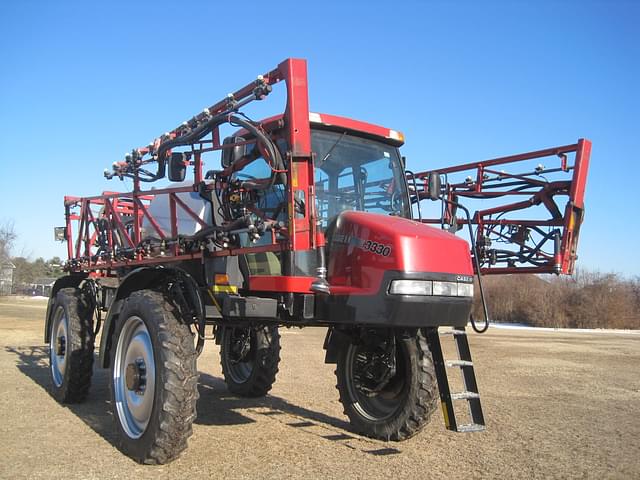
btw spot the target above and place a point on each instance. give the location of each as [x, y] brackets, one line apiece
[588, 299]
[7, 238]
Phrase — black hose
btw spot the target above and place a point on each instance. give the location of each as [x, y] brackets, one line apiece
[205, 128]
[95, 305]
[476, 260]
[240, 223]
[194, 135]
[196, 298]
[274, 152]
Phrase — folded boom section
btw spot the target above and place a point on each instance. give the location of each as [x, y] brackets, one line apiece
[526, 209]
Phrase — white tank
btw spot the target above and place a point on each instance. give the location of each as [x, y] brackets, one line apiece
[160, 211]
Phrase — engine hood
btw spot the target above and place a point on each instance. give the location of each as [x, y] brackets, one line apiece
[362, 246]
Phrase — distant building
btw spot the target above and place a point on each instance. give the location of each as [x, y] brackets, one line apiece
[42, 286]
[6, 276]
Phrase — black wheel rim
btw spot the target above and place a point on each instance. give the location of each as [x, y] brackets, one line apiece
[240, 348]
[385, 403]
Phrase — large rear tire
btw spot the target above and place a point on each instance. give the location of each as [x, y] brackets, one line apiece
[250, 358]
[153, 379]
[71, 346]
[385, 399]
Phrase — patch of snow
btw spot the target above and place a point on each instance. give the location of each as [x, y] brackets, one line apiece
[520, 326]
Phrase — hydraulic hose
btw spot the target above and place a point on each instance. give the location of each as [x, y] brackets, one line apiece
[237, 224]
[478, 272]
[194, 135]
[278, 166]
[208, 126]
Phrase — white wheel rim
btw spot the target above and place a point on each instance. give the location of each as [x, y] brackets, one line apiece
[59, 346]
[134, 398]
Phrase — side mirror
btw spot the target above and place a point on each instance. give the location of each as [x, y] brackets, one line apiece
[178, 166]
[434, 186]
[60, 234]
[231, 155]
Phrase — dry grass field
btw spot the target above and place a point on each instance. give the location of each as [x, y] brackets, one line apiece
[558, 405]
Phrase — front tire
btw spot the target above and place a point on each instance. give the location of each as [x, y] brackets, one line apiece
[250, 358]
[387, 384]
[71, 346]
[153, 379]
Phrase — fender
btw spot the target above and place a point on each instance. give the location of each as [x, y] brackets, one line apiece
[138, 279]
[68, 281]
[335, 341]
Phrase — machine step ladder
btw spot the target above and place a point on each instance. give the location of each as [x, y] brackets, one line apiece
[470, 387]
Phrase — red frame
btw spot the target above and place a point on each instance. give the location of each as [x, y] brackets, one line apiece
[538, 192]
[134, 205]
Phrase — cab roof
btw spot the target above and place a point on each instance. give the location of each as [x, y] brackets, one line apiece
[340, 124]
[343, 123]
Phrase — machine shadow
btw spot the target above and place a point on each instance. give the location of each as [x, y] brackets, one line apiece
[33, 362]
[216, 406]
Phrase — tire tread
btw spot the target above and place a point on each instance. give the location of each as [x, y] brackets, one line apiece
[266, 366]
[77, 382]
[416, 412]
[177, 387]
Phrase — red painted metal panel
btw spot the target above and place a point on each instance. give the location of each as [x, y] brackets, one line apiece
[301, 230]
[387, 134]
[280, 284]
[338, 122]
[365, 245]
[578, 186]
[297, 110]
[574, 212]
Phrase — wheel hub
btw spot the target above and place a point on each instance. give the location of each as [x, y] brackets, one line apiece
[373, 372]
[375, 379]
[241, 347]
[135, 376]
[61, 345]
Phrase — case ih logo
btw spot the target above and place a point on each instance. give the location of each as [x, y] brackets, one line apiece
[464, 278]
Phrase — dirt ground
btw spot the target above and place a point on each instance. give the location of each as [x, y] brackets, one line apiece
[557, 405]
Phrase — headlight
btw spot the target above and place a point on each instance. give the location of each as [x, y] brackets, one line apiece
[446, 289]
[428, 287]
[465, 289]
[411, 287]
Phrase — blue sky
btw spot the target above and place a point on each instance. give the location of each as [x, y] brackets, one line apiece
[82, 83]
